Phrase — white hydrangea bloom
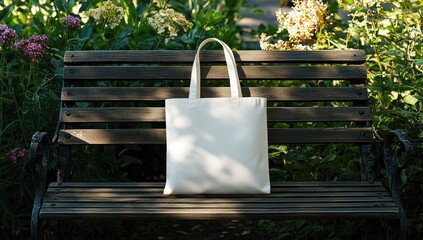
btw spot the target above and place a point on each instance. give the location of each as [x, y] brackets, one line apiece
[168, 22]
[108, 14]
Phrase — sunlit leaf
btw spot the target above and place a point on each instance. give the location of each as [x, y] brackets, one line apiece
[394, 95]
[409, 99]
[418, 61]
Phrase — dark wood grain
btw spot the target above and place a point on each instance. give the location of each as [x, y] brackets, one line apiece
[185, 56]
[285, 94]
[89, 73]
[158, 136]
[146, 201]
[157, 114]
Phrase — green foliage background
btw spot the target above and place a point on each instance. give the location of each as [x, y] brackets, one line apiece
[389, 31]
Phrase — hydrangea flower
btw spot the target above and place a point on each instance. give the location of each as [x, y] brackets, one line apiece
[7, 35]
[33, 47]
[168, 22]
[305, 19]
[71, 21]
[108, 14]
[281, 45]
[15, 154]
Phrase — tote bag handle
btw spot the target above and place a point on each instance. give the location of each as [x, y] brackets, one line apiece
[194, 89]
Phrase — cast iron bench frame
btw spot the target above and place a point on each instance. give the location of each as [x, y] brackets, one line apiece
[364, 199]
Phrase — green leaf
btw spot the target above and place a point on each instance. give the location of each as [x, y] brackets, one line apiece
[6, 12]
[409, 99]
[418, 61]
[60, 5]
[209, 19]
[131, 12]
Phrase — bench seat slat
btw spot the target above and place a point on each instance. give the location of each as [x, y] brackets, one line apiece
[185, 56]
[87, 73]
[159, 94]
[157, 114]
[211, 205]
[158, 136]
[271, 199]
[150, 185]
[107, 200]
[215, 214]
[85, 195]
[127, 187]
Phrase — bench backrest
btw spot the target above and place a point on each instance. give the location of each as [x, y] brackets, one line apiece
[117, 97]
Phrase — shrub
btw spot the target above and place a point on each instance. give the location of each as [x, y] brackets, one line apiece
[390, 32]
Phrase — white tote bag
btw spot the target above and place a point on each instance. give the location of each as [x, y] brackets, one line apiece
[216, 145]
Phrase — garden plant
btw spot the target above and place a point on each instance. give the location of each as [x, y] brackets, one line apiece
[34, 34]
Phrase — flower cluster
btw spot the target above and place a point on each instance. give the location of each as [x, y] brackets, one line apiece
[168, 22]
[15, 154]
[33, 47]
[71, 22]
[7, 35]
[281, 45]
[305, 19]
[108, 14]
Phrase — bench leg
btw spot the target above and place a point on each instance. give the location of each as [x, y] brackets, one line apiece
[397, 153]
[402, 231]
[38, 163]
[35, 224]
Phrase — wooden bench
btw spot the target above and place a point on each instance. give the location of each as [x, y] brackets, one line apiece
[117, 98]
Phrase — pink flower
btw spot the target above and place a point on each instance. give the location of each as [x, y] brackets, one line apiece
[22, 152]
[15, 154]
[33, 47]
[71, 22]
[12, 155]
[7, 35]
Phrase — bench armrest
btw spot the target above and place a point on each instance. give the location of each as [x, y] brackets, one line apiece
[397, 155]
[39, 151]
[39, 160]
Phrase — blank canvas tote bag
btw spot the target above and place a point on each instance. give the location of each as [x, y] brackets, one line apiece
[216, 145]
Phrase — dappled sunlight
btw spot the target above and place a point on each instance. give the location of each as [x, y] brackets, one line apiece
[101, 83]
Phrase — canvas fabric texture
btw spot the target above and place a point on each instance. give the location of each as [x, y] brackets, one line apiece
[216, 145]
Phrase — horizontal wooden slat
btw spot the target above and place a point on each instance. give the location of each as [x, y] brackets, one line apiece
[214, 214]
[149, 198]
[356, 72]
[288, 200]
[331, 188]
[54, 186]
[157, 114]
[289, 197]
[364, 191]
[225, 206]
[158, 136]
[158, 94]
[187, 56]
